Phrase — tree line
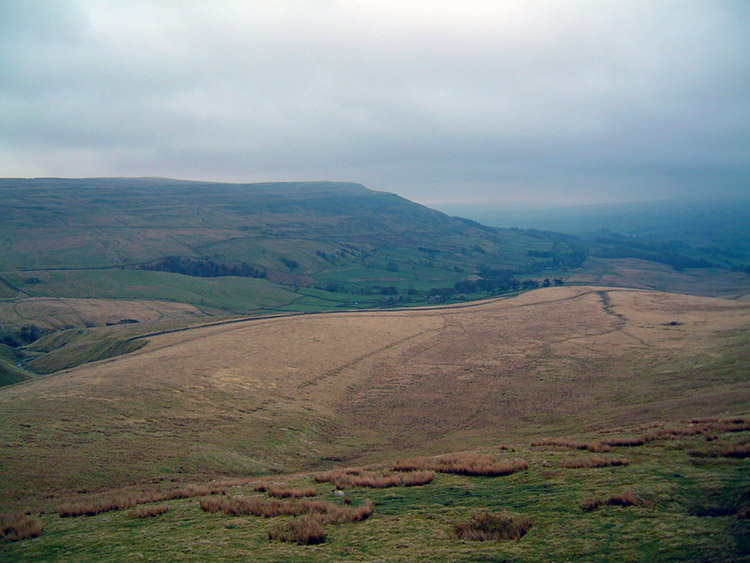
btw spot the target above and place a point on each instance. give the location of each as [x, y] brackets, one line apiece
[203, 268]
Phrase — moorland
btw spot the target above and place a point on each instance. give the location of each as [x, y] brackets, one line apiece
[190, 368]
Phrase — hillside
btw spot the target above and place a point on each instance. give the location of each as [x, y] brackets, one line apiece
[717, 226]
[293, 393]
[80, 254]
[86, 264]
[656, 381]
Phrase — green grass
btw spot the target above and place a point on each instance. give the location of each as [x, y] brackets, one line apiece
[678, 480]
[10, 373]
[75, 347]
[231, 294]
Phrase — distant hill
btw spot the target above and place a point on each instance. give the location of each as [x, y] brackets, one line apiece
[315, 245]
[104, 259]
[715, 225]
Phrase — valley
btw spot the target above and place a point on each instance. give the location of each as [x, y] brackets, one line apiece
[196, 348]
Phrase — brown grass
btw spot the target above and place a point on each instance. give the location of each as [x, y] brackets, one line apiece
[731, 425]
[482, 526]
[307, 530]
[625, 442]
[626, 498]
[740, 450]
[385, 403]
[592, 462]
[595, 447]
[357, 477]
[463, 464]
[269, 508]
[19, 526]
[251, 506]
[288, 492]
[710, 427]
[341, 514]
[123, 502]
[590, 504]
[149, 511]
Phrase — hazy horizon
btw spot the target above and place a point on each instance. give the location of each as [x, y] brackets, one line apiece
[485, 103]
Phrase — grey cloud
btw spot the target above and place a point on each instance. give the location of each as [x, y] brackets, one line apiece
[486, 100]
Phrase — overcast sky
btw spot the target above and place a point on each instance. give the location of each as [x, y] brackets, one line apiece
[493, 102]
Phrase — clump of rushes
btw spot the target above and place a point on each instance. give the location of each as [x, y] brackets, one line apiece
[269, 508]
[590, 504]
[307, 530]
[595, 447]
[288, 492]
[358, 477]
[463, 464]
[741, 449]
[626, 498]
[625, 442]
[341, 514]
[483, 526]
[149, 511]
[19, 526]
[129, 501]
[592, 462]
[730, 425]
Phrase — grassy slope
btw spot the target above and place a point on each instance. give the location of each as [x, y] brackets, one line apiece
[77, 241]
[297, 393]
[9, 372]
[690, 495]
[67, 246]
[289, 394]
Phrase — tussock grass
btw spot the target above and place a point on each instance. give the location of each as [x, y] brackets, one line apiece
[730, 425]
[270, 508]
[289, 492]
[358, 477]
[463, 464]
[626, 498]
[307, 530]
[710, 427]
[590, 504]
[595, 447]
[82, 509]
[625, 442]
[592, 462]
[342, 514]
[740, 450]
[19, 526]
[129, 501]
[251, 506]
[483, 526]
[148, 511]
